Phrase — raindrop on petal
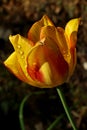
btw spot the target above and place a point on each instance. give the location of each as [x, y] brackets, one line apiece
[21, 52]
[19, 46]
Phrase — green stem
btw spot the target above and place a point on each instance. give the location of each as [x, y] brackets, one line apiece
[66, 108]
[21, 118]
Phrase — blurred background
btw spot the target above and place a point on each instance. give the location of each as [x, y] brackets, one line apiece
[17, 16]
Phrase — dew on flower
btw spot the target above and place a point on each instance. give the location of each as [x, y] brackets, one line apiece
[19, 46]
[67, 55]
[25, 66]
[21, 52]
[22, 57]
[64, 51]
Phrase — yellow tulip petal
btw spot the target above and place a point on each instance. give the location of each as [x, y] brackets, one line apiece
[71, 32]
[47, 58]
[71, 37]
[20, 42]
[34, 32]
[22, 47]
[12, 64]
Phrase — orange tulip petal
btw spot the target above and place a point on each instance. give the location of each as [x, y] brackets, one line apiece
[62, 40]
[47, 65]
[58, 36]
[48, 31]
[34, 32]
[68, 53]
[72, 63]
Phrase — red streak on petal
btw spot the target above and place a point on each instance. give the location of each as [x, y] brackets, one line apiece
[35, 74]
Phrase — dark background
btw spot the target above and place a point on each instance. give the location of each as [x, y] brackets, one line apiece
[17, 16]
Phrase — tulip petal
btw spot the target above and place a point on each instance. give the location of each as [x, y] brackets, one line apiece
[62, 41]
[46, 71]
[48, 31]
[71, 37]
[68, 53]
[72, 63]
[58, 36]
[47, 65]
[71, 32]
[12, 64]
[22, 47]
[34, 32]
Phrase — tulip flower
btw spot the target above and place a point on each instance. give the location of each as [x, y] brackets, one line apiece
[47, 57]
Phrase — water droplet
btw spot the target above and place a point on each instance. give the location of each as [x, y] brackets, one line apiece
[22, 57]
[19, 46]
[67, 55]
[25, 65]
[64, 51]
[21, 52]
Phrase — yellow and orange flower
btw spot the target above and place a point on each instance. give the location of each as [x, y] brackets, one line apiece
[47, 57]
